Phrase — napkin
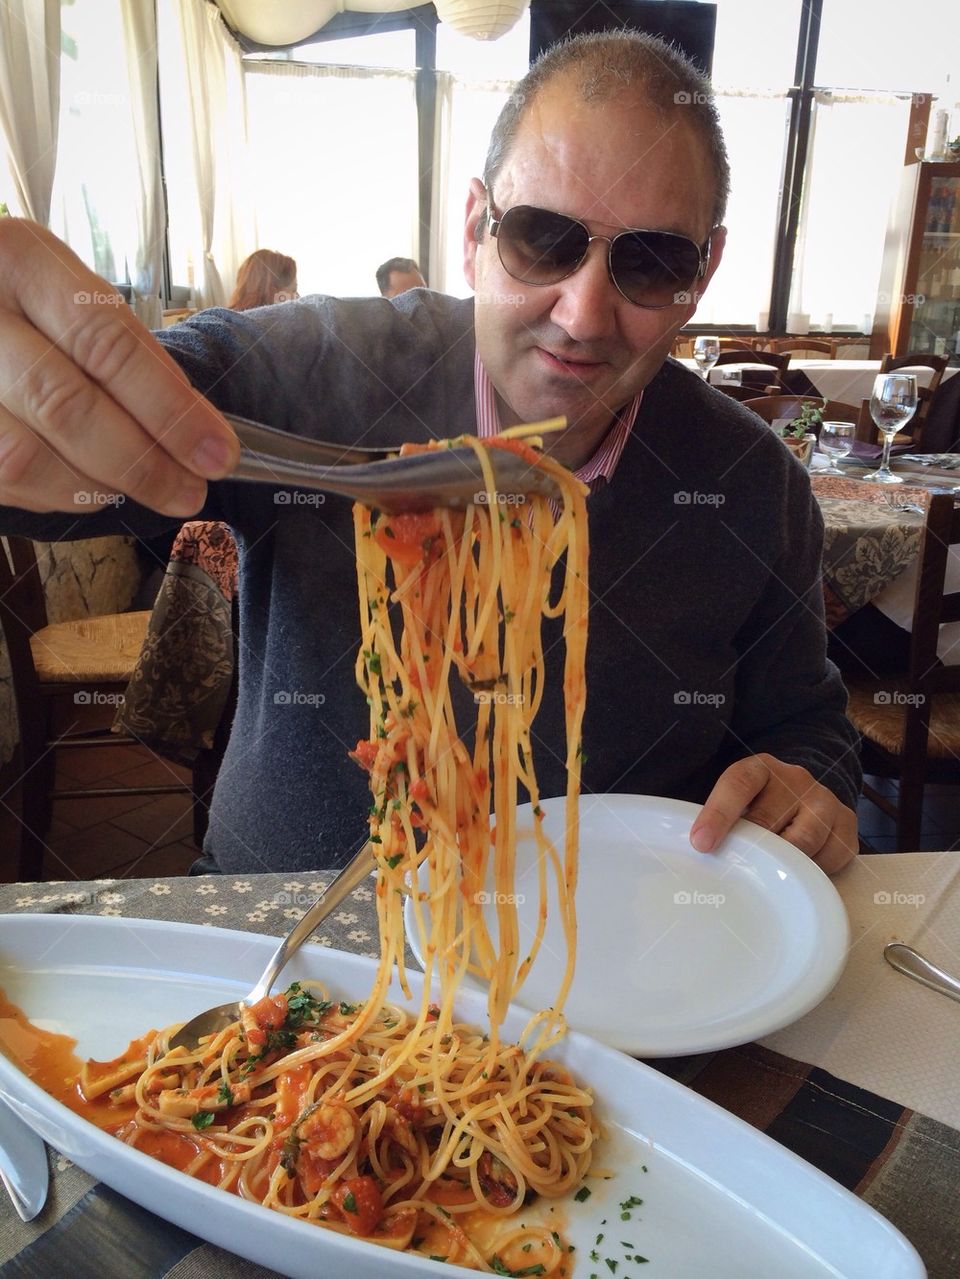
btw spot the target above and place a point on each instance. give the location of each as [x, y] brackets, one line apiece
[878, 1029]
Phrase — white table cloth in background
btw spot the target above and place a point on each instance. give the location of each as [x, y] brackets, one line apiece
[848, 381]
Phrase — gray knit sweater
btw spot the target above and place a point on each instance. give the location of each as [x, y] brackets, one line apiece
[706, 637]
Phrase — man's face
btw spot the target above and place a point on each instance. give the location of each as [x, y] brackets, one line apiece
[400, 281]
[579, 348]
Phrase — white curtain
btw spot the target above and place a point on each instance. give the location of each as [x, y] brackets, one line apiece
[140, 44]
[332, 163]
[466, 114]
[856, 163]
[30, 98]
[218, 118]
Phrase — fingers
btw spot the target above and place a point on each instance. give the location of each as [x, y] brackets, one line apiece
[785, 799]
[87, 395]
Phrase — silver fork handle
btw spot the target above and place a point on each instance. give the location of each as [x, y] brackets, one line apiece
[352, 874]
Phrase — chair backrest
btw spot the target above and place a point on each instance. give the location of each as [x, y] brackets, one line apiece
[739, 344]
[744, 356]
[917, 359]
[817, 345]
[837, 411]
[931, 606]
[22, 612]
[774, 407]
[744, 393]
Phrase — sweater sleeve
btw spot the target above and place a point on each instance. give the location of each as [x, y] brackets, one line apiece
[790, 699]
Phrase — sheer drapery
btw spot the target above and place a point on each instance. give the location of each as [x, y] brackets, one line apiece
[466, 114]
[856, 162]
[334, 150]
[30, 99]
[214, 72]
[140, 45]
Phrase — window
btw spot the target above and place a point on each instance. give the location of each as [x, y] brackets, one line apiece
[96, 184]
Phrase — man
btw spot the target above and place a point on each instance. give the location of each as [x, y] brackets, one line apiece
[397, 275]
[707, 674]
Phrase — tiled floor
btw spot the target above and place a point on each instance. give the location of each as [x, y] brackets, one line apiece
[138, 836]
[132, 836]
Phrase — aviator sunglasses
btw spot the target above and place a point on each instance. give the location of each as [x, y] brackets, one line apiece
[649, 268]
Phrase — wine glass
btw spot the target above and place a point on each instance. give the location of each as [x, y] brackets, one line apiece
[892, 405]
[836, 440]
[706, 352]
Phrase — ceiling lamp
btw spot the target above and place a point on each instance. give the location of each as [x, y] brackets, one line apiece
[286, 22]
[481, 19]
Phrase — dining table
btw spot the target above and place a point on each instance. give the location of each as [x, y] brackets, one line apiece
[865, 1087]
[845, 381]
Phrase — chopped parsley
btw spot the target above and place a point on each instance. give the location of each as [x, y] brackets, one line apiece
[346, 1009]
[225, 1094]
[349, 1203]
[395, 860]
[202, 1119]
[583, 1194]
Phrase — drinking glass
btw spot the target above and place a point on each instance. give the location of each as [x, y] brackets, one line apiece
[836, 440]
[706, 352]
[892, 405]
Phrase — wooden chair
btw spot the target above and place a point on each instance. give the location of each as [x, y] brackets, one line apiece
[743, 343]
[912, 437]
[744, 393]
[795, 345]
[771, 372]
[772, 408]
[910, 726]
[917, 359]
[55, 666]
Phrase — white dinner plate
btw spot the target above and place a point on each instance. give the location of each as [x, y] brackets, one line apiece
[719, 1198]
[678, 951]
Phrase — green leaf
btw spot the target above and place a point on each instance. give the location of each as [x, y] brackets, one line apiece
[202, 1119]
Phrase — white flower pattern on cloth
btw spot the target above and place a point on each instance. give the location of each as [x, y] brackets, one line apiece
[109, 910]
[362, 894]
[206, 889]
[242, 886]
[346, 917]
[159, 890]
[112, 899]
[358, 934]
[214, 910]
[256, 916]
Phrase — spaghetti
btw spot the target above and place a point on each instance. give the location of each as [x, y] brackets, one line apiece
[409, 1128]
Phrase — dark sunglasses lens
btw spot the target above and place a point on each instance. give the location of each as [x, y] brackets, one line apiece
[654, 268]
[540, 247]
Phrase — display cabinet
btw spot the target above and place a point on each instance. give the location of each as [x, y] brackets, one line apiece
[918, 304]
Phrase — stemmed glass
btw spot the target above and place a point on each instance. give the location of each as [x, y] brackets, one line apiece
[836, 440]
[706, 352]
[892, 405]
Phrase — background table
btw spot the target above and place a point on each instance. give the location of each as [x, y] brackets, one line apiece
[848, 381]
[866, 1087]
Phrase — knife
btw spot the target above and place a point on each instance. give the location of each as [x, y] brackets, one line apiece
[23, 1164]
[906, 960]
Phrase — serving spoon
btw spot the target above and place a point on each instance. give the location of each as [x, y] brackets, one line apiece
[213, 1020]
[377, 477]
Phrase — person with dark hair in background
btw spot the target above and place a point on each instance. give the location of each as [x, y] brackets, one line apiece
[265, 277]
[597, 225]
[397, 275]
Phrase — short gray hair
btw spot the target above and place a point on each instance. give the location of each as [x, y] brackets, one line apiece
[604, 62]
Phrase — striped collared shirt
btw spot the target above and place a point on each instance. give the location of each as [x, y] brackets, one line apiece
[604, 460]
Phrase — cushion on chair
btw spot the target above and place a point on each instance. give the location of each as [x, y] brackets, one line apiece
[883, 722]
[91, 648]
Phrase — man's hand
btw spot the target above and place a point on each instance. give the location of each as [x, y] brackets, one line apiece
[785, 799]
[89, 400]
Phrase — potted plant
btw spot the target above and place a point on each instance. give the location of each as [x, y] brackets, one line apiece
[800, 434]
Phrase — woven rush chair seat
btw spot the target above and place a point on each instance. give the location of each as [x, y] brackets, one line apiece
[96, 649]
[884, 723]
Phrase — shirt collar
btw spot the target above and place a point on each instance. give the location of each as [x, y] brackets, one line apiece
[602, 463]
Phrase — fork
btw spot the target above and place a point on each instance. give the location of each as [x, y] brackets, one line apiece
[439, 477]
